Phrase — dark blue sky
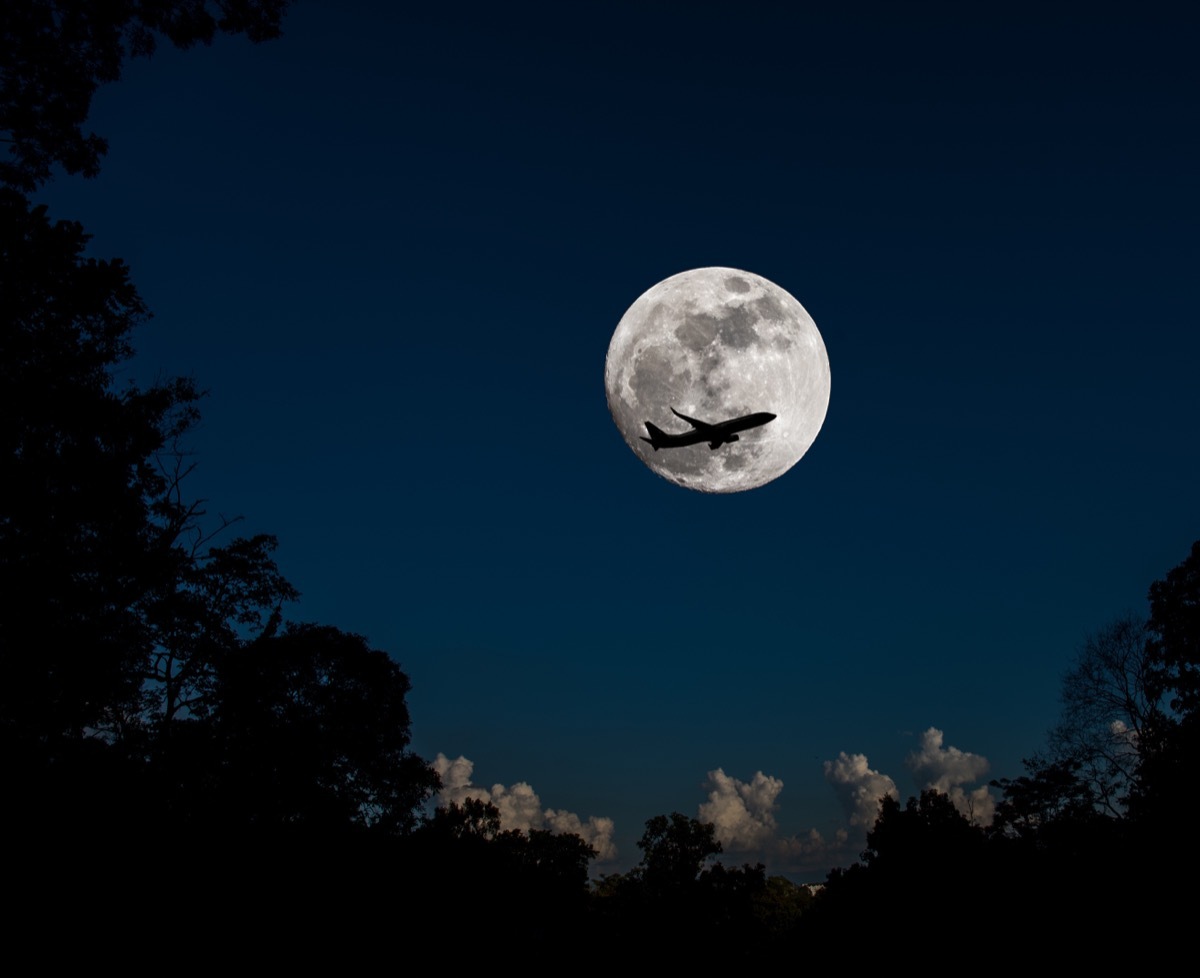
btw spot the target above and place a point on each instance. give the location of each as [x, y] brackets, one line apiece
[394, 245]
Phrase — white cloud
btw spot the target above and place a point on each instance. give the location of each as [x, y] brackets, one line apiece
[977, 805]
[743, 815]
[948, 769]
[455, 776]
[597, 831]
[859, 788]
[944, 767]
[743, 812]
[520, 807]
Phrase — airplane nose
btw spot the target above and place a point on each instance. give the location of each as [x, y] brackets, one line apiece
[772, 417]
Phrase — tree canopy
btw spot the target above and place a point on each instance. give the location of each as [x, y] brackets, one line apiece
[675, 849]
[1174, 625]
[1162, 798]
[57, 54]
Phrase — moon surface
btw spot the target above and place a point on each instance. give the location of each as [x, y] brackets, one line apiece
[716, 344]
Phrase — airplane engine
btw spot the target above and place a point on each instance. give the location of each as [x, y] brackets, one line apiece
[732, 438]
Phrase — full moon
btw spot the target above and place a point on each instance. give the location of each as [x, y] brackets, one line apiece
[717, 344]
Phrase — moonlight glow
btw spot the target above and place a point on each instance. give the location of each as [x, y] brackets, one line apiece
[716, 344]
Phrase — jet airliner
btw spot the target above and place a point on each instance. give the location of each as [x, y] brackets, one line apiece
[715, 434]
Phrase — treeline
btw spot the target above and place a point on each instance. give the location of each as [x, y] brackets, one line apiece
[1089, 856]
[185, 768]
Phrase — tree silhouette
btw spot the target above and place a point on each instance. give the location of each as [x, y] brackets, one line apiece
[470, 819]
[139, 655]
[311, 731]
[468, 875]
[56, 55]
[1162, 800]
[926, 835]
[1050, 795]
[1112, 800]
[86, 522]
[925, 865]
[201, 616]
[675, 849]
[1107, 705]
[679, 904]
[558, 860]
[1174, 652]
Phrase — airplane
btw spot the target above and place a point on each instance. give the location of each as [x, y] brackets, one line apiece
[715, 434]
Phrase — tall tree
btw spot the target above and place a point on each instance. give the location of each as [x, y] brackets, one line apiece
[1174, 651]
[90, 518]
[86, 526]
[1171, 745]
[1107, 704]
[675, 848]
[139, 658]
[312, 730]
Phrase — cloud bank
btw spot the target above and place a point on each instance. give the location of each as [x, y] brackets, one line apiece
[743, 814]
[520, 807]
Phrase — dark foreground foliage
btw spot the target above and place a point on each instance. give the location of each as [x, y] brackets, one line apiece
[56, 55]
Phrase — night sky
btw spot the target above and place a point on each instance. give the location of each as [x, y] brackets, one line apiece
[394, 245]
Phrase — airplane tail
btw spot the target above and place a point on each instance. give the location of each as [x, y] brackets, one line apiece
[657, 435]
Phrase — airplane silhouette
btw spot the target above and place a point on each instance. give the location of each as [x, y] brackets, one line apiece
[715, 434]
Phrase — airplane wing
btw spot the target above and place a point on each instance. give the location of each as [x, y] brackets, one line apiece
[701, 425]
